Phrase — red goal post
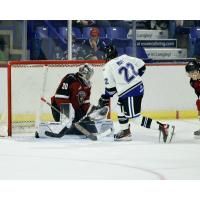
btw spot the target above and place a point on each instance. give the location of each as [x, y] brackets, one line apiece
[34, 68]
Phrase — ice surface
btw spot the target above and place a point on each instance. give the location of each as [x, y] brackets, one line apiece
[72, 157]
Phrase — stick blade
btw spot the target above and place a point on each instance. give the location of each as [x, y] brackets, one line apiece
[90, 135]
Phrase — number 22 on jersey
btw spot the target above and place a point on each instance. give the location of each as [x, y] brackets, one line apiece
[128, 71]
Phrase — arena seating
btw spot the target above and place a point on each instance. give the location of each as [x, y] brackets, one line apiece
[179, 40]
[194, 42]
[41, 32]
[115, 35]
[116, 32]
[63, 32]
[148, 40]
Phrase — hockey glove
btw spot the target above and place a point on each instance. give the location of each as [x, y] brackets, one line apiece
[103, 101]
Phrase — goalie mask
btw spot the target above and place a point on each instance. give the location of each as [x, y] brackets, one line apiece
[85, 73]
[192, 68]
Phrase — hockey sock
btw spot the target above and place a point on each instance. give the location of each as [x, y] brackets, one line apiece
[123, 121]
[147, 122]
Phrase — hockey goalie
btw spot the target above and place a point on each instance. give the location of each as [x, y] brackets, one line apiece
[71, 108]
[93, 125]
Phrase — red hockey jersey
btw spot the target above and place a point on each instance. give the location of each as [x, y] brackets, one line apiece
[72, 89]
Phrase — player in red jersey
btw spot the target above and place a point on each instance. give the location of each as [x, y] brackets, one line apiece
[193, 68]
[74, 88]
[89, 120]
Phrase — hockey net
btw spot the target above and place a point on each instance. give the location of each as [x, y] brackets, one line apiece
[28, 81]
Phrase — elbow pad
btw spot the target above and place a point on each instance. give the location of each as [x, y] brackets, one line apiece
[141, 70]
[198, 104]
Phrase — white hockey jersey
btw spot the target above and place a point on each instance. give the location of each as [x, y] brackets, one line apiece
[122, 73]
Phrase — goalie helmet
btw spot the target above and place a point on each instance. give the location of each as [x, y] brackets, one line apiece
[192, 66]
[85, 73]
[110, 52]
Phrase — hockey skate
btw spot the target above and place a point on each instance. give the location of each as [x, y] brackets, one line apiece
[123, 135]
[37, 135]
[167, 132]
[197, 134]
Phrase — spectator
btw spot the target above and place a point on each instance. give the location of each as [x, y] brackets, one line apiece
[92, 48]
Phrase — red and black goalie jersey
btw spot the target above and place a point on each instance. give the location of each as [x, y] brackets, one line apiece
[196, 85]
[72, 89]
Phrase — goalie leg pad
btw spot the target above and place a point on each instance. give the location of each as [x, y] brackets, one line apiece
[98, 127]
[73, 130]
[92, 129]
[55, 127]
[104, 125]
[84, 127]
[67, 112]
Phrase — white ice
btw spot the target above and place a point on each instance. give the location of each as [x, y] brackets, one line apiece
[25, 157]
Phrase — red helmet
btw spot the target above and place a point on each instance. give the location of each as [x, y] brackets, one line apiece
[94, 32]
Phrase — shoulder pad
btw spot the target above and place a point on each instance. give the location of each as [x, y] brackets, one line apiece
[69, 78]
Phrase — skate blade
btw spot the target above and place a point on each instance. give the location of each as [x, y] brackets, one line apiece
[170, 137]
[124, 139]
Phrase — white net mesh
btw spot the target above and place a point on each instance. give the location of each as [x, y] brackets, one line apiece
[28, 85]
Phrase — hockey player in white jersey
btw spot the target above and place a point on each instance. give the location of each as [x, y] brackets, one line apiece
[122, 75]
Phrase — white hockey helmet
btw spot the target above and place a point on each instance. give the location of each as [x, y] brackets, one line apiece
[86, 71]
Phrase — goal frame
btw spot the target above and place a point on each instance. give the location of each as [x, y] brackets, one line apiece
[29, 62]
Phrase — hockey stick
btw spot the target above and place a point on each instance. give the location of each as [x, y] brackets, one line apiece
[49, 104]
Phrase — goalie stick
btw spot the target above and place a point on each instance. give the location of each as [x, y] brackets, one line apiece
[49, 104]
